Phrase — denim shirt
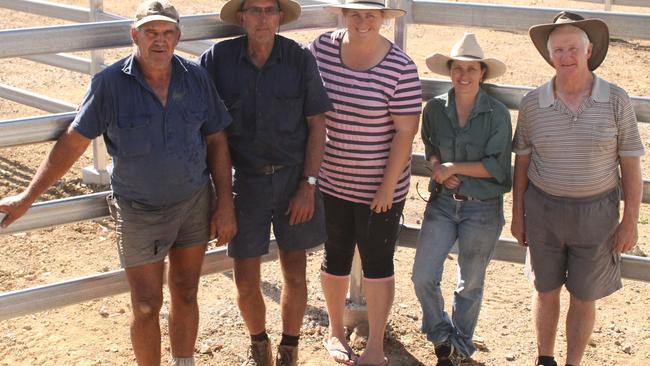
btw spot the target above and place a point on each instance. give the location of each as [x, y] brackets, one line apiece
[159, 152]
[486, 138]
[269, 106]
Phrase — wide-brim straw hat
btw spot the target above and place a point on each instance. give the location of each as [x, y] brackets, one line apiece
[466, 49]
[596, 30]
[290, 8]
[366, 5]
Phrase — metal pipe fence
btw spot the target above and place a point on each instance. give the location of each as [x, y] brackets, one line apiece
[111, 34]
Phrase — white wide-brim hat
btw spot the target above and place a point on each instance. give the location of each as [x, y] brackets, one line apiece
[466, 49]
[366, 5]
[229, 10]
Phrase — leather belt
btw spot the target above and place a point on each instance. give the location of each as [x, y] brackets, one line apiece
[269, 169]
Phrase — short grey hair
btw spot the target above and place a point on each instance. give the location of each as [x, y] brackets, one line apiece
[583, 36]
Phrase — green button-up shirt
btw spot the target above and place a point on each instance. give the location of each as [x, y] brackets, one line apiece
[486, 137]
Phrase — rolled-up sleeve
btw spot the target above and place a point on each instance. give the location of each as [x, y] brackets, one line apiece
[498, 151]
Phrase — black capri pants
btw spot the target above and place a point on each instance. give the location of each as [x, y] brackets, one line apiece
[351, 223]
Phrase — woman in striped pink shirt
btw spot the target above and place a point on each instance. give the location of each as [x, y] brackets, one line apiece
[375, 89]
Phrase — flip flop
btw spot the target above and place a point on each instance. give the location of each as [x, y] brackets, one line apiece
[383, 363]
[339, 349]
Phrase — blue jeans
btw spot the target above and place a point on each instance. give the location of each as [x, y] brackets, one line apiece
[477, 226]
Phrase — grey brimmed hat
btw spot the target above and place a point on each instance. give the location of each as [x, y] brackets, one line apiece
[596, 30]
[366, 5]
[466, 49]
[150, 11]
[229, 10]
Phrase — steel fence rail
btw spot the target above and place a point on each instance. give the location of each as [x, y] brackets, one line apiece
[48, 9]
[511, 95]
[68, 62]
[111, 34]
[28, 301]
[59, 212]
[638, 3]
[520, 18]
[35, 100]
[34, 130]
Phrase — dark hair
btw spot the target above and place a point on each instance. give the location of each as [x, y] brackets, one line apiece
[483, 67]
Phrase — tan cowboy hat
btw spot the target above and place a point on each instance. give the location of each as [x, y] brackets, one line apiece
[290, 8]
[366, 5]
[596, 30]
[466, 49]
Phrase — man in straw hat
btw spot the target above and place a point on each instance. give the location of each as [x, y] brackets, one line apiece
[163, 125]
[573, 134]
[273, 91]
[467, 137]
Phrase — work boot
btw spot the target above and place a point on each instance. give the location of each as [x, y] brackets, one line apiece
[447, 355]
[259, 354]
[286, 356]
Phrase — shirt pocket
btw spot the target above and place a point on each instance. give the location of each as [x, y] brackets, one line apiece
[604, 139]
[288, 111]
[474, 152]
[194, 118]
[446, 147]
[133, 135]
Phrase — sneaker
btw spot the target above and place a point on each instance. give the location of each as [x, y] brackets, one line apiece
[259, 354]
[447, 355]
[286, 356]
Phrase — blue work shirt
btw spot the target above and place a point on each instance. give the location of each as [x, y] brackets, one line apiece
[485, 138]
[159, 152]
[269, 106]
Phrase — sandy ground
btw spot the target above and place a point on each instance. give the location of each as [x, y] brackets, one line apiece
[96, 332]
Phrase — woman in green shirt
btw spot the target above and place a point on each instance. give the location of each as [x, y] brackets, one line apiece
[467, 137]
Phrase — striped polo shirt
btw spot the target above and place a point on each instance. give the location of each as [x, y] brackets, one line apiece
[577, 154]
[360, 129]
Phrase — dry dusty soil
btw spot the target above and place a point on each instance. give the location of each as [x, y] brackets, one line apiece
[96, 332]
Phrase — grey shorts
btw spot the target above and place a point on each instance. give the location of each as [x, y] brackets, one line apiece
[262, 200]
[145, 234]
[571, 242]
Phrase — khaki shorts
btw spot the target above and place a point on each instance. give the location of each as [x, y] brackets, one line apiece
[145, 234]
[571, 242]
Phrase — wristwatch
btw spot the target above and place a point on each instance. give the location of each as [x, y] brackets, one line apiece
[310, 180]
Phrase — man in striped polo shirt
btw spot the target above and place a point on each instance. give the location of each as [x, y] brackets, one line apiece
[573, 134]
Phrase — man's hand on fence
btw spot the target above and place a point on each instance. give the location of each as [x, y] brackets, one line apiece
[14, 207]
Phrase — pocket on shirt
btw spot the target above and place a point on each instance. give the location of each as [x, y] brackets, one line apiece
[289, 111]
[474, 153]
[133, 135]
[446, 148]
[194, 121]
[603, 138]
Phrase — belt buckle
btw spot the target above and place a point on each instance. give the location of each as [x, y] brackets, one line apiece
[268, 169]
[458, 197]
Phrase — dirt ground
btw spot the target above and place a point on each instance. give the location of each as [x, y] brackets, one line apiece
[96, 332]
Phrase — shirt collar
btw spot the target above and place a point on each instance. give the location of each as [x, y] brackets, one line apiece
[599, 92]
[132, 67]
[276, 52]
[481, 105]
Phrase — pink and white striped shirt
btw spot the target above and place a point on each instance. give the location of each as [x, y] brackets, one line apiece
[360, 129]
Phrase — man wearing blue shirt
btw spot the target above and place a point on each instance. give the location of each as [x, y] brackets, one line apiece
[272, 89]
[163, 124]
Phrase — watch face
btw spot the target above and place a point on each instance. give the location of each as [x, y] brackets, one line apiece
[311, 180]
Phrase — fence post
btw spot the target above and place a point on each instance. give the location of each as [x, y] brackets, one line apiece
[402, 22]
[98, 173]
[608, 5]
[356, 312]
